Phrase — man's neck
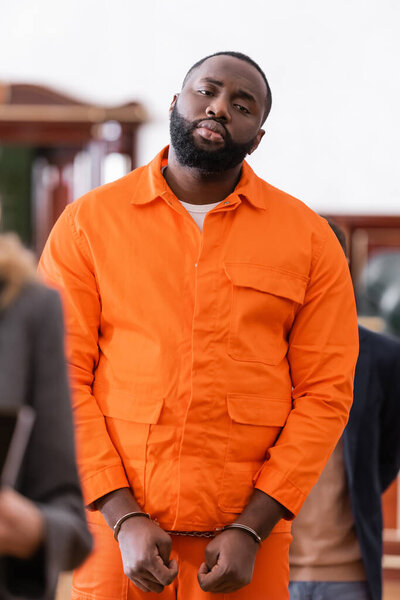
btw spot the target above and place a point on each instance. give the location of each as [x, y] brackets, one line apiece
[196, 187]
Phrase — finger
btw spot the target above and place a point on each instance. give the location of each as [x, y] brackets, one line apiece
[210, 579]
[219, 587]
[227, 584]
[152, 585]
[225, 587]
[203, 569]
[163, 573]
[150, 580]
[147, 576]
[164, 548]
[173, 567]
[211, 557]
[140, 584]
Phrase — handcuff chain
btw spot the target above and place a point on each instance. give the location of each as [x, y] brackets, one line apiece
[199, 534]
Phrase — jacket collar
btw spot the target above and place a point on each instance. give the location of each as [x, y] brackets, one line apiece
[150, 184]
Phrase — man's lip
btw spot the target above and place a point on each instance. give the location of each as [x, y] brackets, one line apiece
[212, 126]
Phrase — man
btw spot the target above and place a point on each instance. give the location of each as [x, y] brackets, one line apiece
[212, 369]
[337, 538]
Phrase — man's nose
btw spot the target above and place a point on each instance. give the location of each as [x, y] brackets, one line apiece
[219, 109]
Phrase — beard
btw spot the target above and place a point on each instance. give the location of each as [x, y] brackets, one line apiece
[208, 161]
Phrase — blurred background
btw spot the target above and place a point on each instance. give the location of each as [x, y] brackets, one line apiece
[85, 88]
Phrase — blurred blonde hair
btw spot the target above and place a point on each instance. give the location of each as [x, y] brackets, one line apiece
[17, 268]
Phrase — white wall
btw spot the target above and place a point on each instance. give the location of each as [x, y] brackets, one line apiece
[333, 133]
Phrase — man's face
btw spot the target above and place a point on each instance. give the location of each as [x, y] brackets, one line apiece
[215, 121]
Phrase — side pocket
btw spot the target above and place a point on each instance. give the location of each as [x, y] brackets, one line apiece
[128, 419]
[256, 422]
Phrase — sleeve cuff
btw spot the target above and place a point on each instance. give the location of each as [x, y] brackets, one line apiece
[102, 483]
[276, 485]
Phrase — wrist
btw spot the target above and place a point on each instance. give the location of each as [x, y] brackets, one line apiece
[262, 513]
[129, 515]
[249, 531]
[116, 504]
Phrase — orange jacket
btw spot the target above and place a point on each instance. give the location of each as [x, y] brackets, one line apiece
[203, 363]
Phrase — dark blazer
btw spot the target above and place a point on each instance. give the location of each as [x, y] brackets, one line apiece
[372, 444]
[32, 370]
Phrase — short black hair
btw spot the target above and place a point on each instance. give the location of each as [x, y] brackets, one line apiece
[240, 56]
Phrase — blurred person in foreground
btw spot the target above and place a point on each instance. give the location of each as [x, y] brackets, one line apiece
[42, 525]
[337, 538]
[213, 338]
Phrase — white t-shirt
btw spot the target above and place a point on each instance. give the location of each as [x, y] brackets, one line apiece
[198, 211]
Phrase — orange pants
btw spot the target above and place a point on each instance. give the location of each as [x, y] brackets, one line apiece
[102, 578]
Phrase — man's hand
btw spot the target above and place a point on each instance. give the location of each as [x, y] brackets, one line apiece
[21, 525]
[145, 550]
[145, 547]
[229, 564]
[231, 555]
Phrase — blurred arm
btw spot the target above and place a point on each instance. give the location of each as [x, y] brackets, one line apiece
[49, 477]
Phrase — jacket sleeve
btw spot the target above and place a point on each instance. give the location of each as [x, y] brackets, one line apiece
[389, 450]
[323, 349]
[67, 264]
[49, 476]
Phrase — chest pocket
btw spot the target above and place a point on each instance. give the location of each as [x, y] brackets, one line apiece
[264, 304]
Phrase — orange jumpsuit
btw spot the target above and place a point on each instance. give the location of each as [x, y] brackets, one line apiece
[202, 364]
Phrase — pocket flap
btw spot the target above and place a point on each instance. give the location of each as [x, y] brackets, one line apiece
[258, 410]
[130, 407]
[268, 279]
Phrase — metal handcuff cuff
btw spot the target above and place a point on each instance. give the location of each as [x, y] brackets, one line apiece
[199, 534]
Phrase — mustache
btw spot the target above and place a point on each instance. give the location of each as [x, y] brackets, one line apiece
[194, 124]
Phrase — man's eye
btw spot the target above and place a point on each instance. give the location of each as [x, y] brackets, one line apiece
[205, 92]
[242, 108]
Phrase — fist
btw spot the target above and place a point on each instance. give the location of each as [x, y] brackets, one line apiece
[229, 562]
[145, 550]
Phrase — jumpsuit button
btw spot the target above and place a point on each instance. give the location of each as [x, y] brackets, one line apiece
[227, 202]
[195, 264]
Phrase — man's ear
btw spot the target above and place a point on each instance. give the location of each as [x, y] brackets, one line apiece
[259, 137]
[174, 99]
